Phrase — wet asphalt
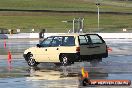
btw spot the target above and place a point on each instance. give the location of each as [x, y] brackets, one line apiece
[18, 74]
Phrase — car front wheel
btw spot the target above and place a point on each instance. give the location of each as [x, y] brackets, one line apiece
[31, 61]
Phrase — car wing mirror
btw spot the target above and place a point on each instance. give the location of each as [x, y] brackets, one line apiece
[38, 45]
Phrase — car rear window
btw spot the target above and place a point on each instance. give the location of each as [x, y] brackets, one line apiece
[95, 39]
[90, 39]
[84, 40]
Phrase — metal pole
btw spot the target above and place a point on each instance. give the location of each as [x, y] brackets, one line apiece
[82, 23]
[98, 16]
[74, 25]
[78, 24]
[98, 4]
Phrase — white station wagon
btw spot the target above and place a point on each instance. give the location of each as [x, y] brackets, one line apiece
[67, 48]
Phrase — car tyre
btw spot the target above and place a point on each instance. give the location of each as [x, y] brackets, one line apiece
[31, 61]
[64, 60]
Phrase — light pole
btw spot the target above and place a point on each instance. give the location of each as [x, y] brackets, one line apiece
[73, 22]
[98, 4]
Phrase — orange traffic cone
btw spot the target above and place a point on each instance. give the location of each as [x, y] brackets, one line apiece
[85, 77]
[9, 56]
[4, 43]
[84, 73]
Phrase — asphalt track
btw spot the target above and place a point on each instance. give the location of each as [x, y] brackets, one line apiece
[18, 74]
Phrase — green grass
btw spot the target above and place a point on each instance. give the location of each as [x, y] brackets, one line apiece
[67, 5]
[44, 4]
[53, 21]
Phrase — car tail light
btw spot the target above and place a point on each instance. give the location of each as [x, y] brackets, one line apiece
[77, 49]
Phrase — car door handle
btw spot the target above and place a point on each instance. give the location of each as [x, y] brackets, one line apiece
[57, 49]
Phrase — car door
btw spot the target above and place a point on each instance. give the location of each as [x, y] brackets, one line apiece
[54, 49]
[91, 44]
[42, 51]
[98, 44]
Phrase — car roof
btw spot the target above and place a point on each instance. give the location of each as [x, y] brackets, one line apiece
[74, 34]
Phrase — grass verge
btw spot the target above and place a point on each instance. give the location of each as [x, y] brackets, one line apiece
[53, 21]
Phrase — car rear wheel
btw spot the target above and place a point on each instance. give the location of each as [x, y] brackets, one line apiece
[31, 61]
[64, 60]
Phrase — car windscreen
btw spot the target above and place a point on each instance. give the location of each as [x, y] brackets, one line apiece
[46, 42]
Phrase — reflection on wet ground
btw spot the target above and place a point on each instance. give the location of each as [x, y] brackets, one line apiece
[117, 66]
[47, 75]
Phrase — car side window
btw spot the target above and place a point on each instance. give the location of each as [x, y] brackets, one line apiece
[57, 41]
[46, 42]
[84, 40]
[96, 39]
[69, 41]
